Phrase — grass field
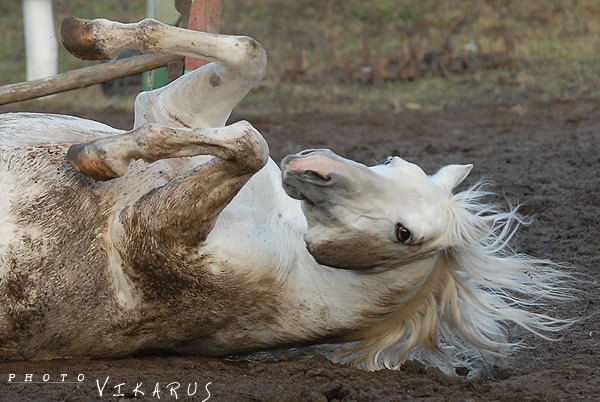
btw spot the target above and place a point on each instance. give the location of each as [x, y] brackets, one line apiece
[559, 41]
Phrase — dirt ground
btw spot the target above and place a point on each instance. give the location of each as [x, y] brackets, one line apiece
[545, 156]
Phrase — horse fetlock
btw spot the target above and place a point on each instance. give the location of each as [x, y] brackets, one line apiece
[150, 141]
[147, 34]
[149, 25]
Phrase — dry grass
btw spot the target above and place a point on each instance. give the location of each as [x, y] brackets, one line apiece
[558, 39]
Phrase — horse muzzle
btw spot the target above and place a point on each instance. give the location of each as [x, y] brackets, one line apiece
[309, 172]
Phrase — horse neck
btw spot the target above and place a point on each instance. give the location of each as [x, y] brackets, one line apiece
[338, 301]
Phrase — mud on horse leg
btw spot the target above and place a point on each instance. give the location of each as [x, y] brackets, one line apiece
[108, 157]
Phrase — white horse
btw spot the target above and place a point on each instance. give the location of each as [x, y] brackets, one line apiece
[181, 235]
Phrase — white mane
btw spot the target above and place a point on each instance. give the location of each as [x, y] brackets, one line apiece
[479, 285]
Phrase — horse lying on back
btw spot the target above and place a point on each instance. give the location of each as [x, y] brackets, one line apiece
[182, 236]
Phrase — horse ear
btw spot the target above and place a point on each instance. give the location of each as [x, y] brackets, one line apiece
[451, 176]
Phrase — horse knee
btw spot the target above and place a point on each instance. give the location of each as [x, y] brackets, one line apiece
[251, 151]
[252, 58]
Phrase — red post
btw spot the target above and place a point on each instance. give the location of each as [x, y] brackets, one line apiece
[205, 15]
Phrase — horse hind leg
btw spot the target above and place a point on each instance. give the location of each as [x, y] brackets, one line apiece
[203, 98]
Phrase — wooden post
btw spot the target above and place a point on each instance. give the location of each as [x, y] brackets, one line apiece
[41, 46]
[205, 15]
[83, 77]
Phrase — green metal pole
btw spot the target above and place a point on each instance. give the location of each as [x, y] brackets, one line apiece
[162, 10]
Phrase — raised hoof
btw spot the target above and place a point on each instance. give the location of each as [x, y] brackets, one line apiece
[78, 38]
[89, 163]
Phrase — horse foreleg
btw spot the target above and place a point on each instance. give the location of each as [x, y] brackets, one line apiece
[203, 98]
[190, 202]
[108, 157]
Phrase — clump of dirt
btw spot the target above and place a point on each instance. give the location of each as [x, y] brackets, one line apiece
[546, 157]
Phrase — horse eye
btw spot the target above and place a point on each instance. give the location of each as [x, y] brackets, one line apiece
[402, 233]
[388, 160]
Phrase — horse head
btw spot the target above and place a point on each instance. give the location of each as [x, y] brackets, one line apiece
[363, 217]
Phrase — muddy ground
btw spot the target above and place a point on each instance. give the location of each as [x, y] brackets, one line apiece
[545, 156]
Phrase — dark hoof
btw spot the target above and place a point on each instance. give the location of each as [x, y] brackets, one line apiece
[78, 38]
[89, 163]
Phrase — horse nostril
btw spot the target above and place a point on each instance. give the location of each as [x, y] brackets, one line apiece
[306, 152]
[311, 175]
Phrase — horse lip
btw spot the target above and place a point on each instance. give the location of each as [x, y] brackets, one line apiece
[298, 183]
[292, 190]
[306, 185]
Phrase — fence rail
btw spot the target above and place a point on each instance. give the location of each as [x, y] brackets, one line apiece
[83, 77]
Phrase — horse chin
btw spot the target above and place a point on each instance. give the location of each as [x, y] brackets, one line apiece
[293, 191]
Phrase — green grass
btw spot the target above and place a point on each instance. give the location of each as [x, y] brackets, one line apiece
[12, 47]
[559, 40]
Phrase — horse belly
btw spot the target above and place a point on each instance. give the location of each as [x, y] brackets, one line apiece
[52, 286]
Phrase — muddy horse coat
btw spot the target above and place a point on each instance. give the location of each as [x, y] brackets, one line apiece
[182, 236]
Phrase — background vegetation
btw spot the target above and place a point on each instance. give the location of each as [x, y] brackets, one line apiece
[558, 41]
